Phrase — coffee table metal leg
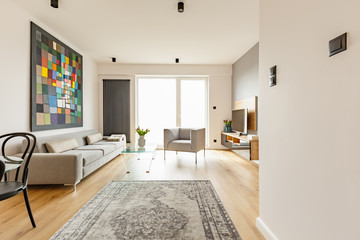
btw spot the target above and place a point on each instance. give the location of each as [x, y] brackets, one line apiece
[152, 158]
[153, 155]
[148, 171]
[122, 159]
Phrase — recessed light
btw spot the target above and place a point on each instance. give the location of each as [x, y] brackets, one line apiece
[180, 7]
[54, 3]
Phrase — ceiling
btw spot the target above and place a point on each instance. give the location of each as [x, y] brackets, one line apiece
[153, 31]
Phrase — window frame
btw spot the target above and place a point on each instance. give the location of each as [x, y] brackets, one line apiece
[178, 79]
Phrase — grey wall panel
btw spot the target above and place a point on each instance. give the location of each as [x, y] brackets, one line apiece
[116, 115]
[245, 79]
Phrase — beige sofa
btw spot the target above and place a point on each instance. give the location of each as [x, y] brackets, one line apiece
[68, 158]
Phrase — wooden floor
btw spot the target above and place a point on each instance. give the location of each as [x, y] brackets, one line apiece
[234, 178]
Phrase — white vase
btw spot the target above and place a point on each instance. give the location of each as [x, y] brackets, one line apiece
[141, 141]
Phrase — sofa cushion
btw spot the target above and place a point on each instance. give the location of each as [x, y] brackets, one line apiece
[93, 138]
[61, 145]
[184, 133]
[116, 144]
[105, 148]
[88, 156]
[180, 145]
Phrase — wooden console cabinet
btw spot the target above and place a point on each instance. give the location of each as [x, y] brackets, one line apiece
[232, 141]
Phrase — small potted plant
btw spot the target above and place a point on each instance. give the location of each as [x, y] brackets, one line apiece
[227, 127]
[142, 133]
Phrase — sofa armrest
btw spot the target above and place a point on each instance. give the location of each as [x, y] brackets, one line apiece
[123, 141]
[55, 168]
[197, 137]
[170, 134]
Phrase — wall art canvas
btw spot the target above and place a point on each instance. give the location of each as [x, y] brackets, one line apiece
[56, 83]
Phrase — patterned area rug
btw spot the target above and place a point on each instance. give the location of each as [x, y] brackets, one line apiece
[152, 210]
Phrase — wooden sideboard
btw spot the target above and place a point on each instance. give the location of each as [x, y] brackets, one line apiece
[232, 141]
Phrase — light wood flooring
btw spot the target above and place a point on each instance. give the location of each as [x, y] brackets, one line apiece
[234, 178]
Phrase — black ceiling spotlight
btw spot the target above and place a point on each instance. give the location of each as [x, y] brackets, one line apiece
[113, 59]
[176, 60]
[55, 3]
[180, 7]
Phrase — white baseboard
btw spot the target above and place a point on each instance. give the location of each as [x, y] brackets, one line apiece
[266, 232]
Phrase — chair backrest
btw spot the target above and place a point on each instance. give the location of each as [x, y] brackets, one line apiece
[27, 151]
[2, 169]
[184, 133]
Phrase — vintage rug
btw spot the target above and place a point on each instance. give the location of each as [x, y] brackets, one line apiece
[152, 210]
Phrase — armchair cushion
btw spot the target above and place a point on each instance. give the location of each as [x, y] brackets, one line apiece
[180, 145]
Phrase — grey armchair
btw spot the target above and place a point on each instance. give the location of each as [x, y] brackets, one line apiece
[184, 140]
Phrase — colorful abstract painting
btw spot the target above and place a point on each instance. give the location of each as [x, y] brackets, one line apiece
[56, 83]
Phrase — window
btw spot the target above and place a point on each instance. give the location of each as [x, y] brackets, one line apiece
[166, 102]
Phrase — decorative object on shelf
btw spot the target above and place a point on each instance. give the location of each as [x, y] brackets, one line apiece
[142, 133]
[56, 83]
[227, 127]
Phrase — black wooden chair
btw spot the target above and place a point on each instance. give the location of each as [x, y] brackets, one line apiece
[2, 169]
[9, 189]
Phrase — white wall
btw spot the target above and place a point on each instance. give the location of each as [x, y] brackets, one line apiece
[309, 122]
[15, 74]
[219, 89]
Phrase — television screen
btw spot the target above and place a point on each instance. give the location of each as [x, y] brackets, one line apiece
[239, 120]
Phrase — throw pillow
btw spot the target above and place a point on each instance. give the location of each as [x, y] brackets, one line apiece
[93, 138]
[61, 145]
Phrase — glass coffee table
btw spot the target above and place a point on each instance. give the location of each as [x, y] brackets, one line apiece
[148, 149]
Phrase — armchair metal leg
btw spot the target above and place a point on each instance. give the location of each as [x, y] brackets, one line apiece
[195, 158]
[164, 155]
[204, 152]
[26, 197]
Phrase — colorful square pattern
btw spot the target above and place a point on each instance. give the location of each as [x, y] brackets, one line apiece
[56, 83]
